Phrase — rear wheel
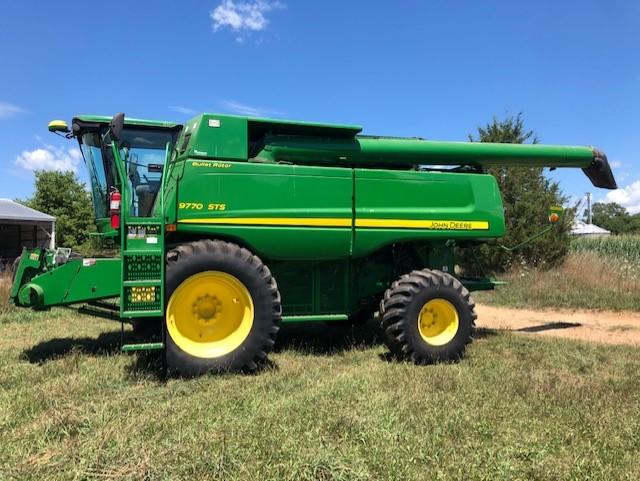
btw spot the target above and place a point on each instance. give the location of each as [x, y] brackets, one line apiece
[223, 310]
[427, 316]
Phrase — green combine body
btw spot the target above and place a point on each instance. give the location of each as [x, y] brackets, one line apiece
[230, 225]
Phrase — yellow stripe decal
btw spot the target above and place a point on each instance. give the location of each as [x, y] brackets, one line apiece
[278, 221]
[424, 224]
[344, 222]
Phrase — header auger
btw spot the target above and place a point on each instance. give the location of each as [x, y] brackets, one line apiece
[228, 226]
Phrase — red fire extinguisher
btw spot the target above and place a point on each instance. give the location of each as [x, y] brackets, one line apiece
[115, 199]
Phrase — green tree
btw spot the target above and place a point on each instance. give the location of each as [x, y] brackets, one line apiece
[527, 195]
[615, 218]
[62, 195]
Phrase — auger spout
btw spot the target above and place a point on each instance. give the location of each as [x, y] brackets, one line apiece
[363, 151]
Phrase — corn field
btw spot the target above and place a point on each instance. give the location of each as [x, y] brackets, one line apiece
[623, 247]
[623, 251]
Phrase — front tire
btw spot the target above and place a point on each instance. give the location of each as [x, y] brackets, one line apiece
[223, 309]
[427, 316]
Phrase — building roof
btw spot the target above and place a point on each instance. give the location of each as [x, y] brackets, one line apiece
[582, 228]
[10, 210]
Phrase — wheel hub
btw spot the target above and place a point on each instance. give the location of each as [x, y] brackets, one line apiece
[210, 314]
[207, 308]
[438, 322]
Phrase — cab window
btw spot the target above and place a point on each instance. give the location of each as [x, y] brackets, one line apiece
[143, 152]
[92, 151]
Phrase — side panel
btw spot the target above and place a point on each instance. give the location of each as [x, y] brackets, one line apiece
[313, 288]
[214, 136]
[79, 280]
[401, 206]
[281, 211]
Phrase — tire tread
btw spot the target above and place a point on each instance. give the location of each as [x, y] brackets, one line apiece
[396, 302]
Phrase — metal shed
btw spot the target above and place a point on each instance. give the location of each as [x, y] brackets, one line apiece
[21, 226]
[585, 229]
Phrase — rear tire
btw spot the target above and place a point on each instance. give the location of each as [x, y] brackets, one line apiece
[427, 316]
[223, 309]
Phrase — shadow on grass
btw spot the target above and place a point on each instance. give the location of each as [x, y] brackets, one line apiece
[484, 332]
[325, 339]
[478, 333]
[306, 338]
[550, 326]
[106, 344]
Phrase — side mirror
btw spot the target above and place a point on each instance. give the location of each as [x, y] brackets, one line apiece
[116, 125]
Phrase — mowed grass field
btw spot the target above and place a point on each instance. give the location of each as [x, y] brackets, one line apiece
[331, 406]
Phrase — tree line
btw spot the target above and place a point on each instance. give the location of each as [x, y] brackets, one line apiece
[615, 218]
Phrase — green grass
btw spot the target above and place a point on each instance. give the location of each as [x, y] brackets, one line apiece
[599, 273]
[587, 280]
[330, 407]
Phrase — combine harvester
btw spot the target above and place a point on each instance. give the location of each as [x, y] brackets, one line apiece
[229, 226]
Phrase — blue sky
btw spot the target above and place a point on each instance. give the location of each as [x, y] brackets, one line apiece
[435, 69]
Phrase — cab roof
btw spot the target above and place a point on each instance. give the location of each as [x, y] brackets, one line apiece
[258, 124]
[103, 119]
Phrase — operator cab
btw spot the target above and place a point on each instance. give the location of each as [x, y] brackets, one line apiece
[142, 148]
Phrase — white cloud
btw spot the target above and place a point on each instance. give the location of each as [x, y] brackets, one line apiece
[9, 110]
[250, 111]
[183, 110]
[243, 18]
[615, 164]
[628, 197]
[50, 158]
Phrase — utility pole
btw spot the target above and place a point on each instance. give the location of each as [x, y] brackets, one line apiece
[589, 213]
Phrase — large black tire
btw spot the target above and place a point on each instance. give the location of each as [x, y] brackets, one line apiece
[205, 256]
[400, 314]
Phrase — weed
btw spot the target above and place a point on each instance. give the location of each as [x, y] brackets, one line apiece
[588, 279]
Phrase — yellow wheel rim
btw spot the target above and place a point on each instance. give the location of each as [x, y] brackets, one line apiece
[210, 314]
[438, 322]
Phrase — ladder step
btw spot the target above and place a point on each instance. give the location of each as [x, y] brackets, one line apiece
[130, 314]
[145, 346]
[143, 283]
[141, 252]
[146, 221]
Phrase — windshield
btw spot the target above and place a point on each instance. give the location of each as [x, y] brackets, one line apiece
[143, 151]
[101, 178]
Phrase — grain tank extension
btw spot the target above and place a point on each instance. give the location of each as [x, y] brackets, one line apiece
[229, 226]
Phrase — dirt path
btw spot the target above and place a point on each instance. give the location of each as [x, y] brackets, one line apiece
[607, 327]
